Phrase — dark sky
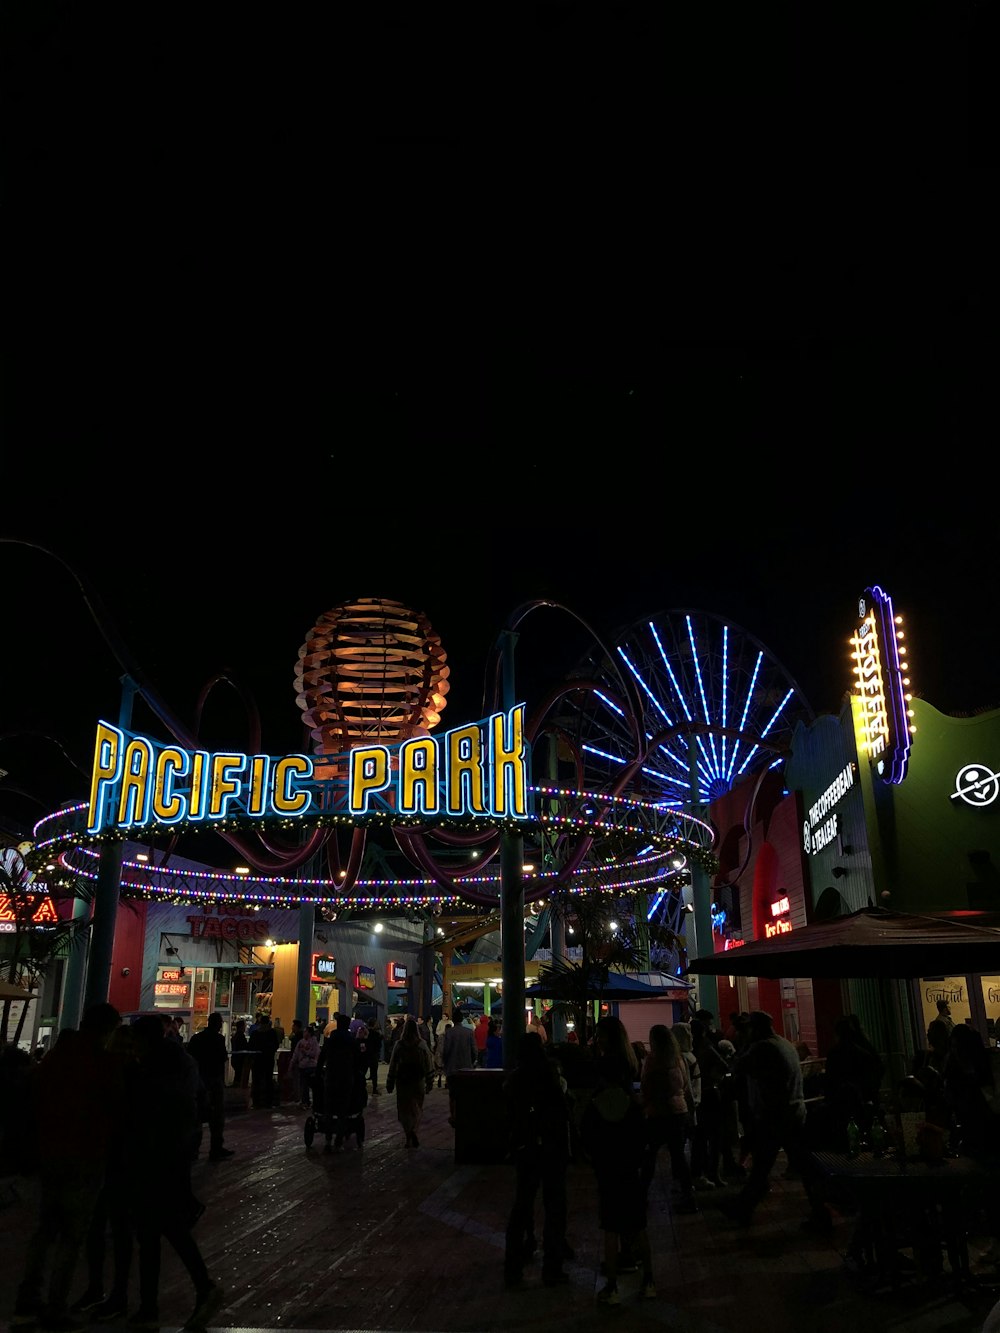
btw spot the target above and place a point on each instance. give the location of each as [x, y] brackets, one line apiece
[290, 319]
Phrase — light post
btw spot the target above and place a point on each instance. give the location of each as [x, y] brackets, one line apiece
[511, 899]
[106, 895]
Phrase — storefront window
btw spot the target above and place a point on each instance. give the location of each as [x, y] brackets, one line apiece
[952, 989]
[991, 1003]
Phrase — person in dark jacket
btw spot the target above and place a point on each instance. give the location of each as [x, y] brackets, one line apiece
[162, 1100]
[208, 1048]
[373, 1051]
[263, 1047]
[76, 1096]
[613, 1135]
[852, 1077]
[241, 1054]
[341, 1074]
[538, 1138]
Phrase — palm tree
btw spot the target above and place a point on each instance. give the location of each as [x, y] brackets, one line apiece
[613, 936]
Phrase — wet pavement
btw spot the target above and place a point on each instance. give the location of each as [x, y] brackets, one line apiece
[395, 1238]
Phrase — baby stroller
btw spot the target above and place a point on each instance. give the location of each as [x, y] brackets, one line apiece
[342, 1118]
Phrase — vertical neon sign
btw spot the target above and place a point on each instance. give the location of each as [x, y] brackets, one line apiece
[880, 670]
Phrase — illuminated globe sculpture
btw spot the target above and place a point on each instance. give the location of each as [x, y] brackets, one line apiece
[371, 671]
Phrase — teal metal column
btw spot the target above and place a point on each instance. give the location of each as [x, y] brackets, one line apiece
[428, 962]
[109, 879]
[71, 1009]
[303, 973]
[701, 900]
[511, 902]
[557, 923]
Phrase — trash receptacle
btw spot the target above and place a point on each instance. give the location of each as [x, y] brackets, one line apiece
[480, 1121]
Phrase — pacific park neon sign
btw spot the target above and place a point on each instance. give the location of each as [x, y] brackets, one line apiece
[476, 771]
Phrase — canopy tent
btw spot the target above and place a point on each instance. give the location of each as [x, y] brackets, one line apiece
[618, 987]
[870, 943]
[8, 991]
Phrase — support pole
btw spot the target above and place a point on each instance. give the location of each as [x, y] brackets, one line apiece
[71, 1009]
[701, 901]
[511, 901]
[428, 958]
[303, 972]
[557, 923]
[107, 892]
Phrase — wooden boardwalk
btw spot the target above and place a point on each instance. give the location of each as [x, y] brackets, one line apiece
[390, 1238]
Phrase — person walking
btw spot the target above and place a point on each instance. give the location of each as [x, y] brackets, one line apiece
[494, 1045]
[772, 1072]
[667, 1105]
[411, 1075]
[241, 1054]
[612, 1131]
[388, 1037]
[706, 1144]
[373, 1049]
[208, 1049]
[162, 1098]
[76, 1098]
[302, 1066]
[341, 1070]
[458, 1053]
[443, 1026]
[263, 1047]
[537, 1117]
[424, 1032]
[480, 1032]
[111, 1214]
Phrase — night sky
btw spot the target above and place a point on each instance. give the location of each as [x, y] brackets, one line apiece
[281, 331]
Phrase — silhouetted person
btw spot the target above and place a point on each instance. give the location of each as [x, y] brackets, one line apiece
[77, 1108]
[613, 1133]
[162, 1120]
[208, 1049]
[241, 1054]
[538, 1137]
[341, 1075]
[411, 1075]
[111, 1213]
[263, 1045]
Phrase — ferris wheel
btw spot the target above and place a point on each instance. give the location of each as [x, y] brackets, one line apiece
[716, 707]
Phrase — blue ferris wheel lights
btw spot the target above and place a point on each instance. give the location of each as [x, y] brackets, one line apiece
[697, 669]
[603, 754]
[610, 703]
[649, 693]
[670, 672]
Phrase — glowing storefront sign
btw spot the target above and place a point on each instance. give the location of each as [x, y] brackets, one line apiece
[881, 681]
[324, 967]
[475, 771]
[780, 924]
[822, 824]
[396, 974]
[364, 978]
[29, 911]
[976, 785]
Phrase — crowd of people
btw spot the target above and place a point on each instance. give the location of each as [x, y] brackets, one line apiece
[118, 1167]
[717, 1106]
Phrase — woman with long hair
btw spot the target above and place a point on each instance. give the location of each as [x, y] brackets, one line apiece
[411, 1074]
[664, 1095]
[612, 1132]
